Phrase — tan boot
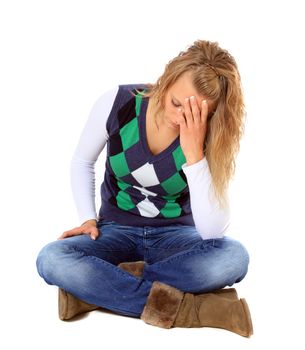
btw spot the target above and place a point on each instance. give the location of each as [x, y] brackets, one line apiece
[70, 306]
[229, 293]
[134, 268]
[168, 307]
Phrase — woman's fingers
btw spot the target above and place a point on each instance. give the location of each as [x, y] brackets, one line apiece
[187, 111]
[91, 230]
[74, 232]
[195, 109]
[181, 118]
[94, 233]
[192, 111]
[89, 227]
[204, 110]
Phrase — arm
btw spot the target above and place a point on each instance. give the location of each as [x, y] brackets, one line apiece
[91, 143]
[211, 221]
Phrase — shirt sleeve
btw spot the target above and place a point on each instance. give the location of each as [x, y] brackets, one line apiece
[91, 143]
[211, 221]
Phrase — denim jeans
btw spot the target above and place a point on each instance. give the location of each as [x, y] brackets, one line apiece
[175, 255]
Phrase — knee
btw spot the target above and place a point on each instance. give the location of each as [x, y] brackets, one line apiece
[238, 262]
[229, 265]
[244, 263]
[49, 260]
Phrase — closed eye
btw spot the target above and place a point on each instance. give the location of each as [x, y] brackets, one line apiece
[175, 104]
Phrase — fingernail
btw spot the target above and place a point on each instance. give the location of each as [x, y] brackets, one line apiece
[204, 101]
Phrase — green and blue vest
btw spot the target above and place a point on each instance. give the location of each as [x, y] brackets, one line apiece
[139, 188]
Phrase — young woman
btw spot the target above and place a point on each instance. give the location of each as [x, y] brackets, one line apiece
[157, 249]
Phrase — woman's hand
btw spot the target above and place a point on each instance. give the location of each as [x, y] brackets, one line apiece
[193, 122]
[88, 227]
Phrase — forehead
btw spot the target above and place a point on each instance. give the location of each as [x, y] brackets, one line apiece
[183, 87]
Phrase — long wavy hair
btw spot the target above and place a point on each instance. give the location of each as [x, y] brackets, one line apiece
[215, 75]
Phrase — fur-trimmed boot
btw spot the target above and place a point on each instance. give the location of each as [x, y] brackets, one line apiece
[168, 307]
[69, 306]
[229, 293]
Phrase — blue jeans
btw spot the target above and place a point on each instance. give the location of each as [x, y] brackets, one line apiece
[175, 255]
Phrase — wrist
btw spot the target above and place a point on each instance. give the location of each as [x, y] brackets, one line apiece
[194, 159]
[90, 221]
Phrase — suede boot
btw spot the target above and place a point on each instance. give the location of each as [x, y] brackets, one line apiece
[70, 306]
[168, 307]
[134, 268]
[229, 293]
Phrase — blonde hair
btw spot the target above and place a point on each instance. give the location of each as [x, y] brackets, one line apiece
[215, 75]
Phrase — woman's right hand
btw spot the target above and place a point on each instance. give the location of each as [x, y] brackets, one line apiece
[88, 227]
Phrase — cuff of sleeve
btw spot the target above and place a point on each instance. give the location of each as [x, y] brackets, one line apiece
[194, 168]
[83, 219]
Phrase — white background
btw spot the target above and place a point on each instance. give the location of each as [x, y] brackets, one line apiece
[57, 57]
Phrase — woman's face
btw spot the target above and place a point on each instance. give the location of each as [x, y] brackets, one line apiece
[175, 98]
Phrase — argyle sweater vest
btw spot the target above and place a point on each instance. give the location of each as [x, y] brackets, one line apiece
[139, 188]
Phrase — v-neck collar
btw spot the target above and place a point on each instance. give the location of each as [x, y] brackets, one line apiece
[143, 135]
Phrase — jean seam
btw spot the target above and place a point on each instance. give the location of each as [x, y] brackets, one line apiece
[120, 271]
[112, 266]
[102, 250]
[173, 249]
[178, 256]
